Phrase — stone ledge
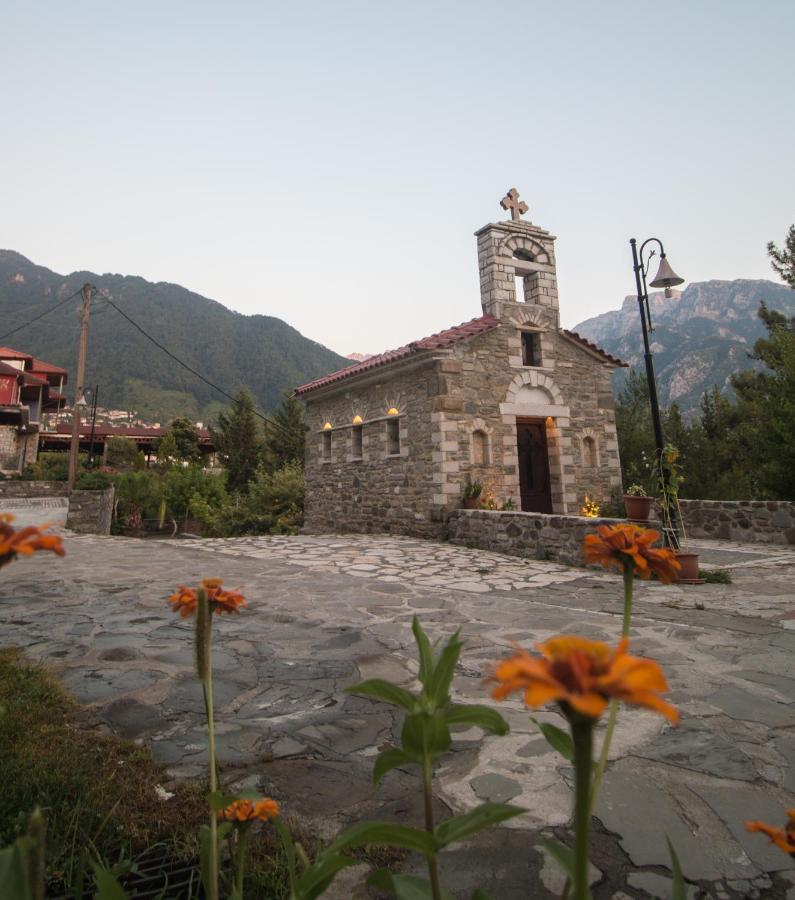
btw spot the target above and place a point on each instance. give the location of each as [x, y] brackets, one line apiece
[532, 535]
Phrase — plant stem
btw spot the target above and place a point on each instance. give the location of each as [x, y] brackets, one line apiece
[629, 578]
[242, 844]
[213, 778]
[582, 735]
[599, 774]
[433, 870]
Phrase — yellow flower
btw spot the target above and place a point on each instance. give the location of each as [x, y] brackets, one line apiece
[582, 676]
[628, 545]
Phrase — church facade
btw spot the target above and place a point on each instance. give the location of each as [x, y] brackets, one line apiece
[509, 400]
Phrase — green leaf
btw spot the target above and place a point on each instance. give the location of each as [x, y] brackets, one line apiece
[562, 854]
[389, 759]
[460, 827]
[439, 685]
[14, 881]
[404, 887]
[678, 890]
[557, 738]
[384, 690]
[423, 733]
[385, 834]
[482, 716]
[315, 880]
[108, 888]
[289, 851]
[425, 651]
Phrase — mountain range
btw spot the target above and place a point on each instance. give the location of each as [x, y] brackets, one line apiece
[702, 335]
[228, 348]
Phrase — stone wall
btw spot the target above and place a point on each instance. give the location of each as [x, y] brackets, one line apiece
[533, 535]
[379, 491]
[33, 489]
[17, 450]
[751, 521]
[90, 512]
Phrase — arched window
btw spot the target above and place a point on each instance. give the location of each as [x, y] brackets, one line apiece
[480, 448]
[589, 452]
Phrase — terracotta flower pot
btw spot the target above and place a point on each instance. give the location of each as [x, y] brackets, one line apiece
[638, 508]
[688, 574]
[471, 502]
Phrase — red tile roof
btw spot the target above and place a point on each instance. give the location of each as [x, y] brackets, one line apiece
[8, 353]
[5, 369]
[595, 348]
[46, 368]
[439, 341]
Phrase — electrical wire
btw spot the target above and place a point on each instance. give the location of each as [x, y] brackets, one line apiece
[45, 313]
[189, 368]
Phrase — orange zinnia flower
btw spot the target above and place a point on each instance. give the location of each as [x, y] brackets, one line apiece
[185, 599]
[583, 675]
[26, 541]
[781, 837]
[628, 547]
[249, 810]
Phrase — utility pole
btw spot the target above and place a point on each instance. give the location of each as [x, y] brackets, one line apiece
[74, 448]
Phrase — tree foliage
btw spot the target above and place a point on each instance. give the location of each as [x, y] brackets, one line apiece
[180, 443]
[238, 441]
[285, 435]
[740, 450]
[783, 260]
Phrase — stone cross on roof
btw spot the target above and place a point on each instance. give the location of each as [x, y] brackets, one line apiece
[511, 201]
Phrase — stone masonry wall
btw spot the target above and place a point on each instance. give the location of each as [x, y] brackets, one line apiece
[378, 492]
[752, 521]
[533, 535]
[493, 388]
[90, 512]
[25, 489]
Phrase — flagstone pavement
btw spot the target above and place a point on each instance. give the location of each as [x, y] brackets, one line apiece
[327, 611]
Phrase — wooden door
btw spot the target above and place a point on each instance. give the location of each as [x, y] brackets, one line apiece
[533, 466]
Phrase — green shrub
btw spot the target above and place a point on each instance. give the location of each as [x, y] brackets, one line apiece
[93, 481]
[122, 453]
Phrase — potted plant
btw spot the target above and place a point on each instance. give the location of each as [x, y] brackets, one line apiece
[670, 479]
[472, 492]
[637, 503]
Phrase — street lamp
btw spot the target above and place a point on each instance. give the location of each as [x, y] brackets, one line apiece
[665, 278]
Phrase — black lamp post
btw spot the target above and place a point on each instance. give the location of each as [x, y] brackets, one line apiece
[665, 278]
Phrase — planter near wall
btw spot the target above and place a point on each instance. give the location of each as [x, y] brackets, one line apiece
[637, 508]
[689, 571]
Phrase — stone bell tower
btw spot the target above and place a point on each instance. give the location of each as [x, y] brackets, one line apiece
[517, 249]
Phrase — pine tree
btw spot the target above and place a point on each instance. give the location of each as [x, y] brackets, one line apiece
[783, 261]
[238, 441]
[285, 435]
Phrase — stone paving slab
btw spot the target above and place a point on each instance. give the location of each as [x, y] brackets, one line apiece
[327, 611]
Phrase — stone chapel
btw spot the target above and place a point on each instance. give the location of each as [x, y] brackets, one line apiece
[508, 399]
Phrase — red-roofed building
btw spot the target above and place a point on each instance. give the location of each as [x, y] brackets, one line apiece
[509, 400]
[28, 388]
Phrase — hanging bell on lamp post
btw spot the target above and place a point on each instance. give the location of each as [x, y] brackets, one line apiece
[665, 277]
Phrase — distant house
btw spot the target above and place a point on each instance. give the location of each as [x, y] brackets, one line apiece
[29, 387]
[509, 400]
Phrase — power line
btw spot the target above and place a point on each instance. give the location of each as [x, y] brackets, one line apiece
[186, 366]
[45, 313]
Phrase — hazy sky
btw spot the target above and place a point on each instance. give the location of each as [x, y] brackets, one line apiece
[328, 162]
